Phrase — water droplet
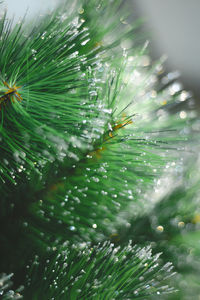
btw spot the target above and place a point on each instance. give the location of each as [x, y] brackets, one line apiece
[181, 224]
[183, 114]
[158, 293]
[81, 11]
[160, 228]
[85, 42]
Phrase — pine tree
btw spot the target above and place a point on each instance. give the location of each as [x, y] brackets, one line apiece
[95, 157]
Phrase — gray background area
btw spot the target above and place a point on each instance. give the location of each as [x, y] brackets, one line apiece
[174, 30]
[172, 25]
[19, 8]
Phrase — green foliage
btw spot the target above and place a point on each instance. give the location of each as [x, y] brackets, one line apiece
[85, 144]
[5, 292]
[172, 226]
[100, 272]
[55, 67]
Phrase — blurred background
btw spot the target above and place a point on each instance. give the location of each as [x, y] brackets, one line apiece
[29, 7]
[171, 26]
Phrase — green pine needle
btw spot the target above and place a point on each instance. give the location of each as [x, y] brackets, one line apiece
[99, 272]
[6, 292]
[85, 139]
[56, 71]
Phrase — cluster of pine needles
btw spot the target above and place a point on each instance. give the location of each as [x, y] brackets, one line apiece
[94, 161]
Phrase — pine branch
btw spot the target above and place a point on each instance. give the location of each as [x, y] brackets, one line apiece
[84, 137]
[99, 272]
[5, 292]
[172, 225]
[56, 79]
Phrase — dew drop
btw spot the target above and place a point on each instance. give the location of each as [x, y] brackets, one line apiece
[72, 228]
